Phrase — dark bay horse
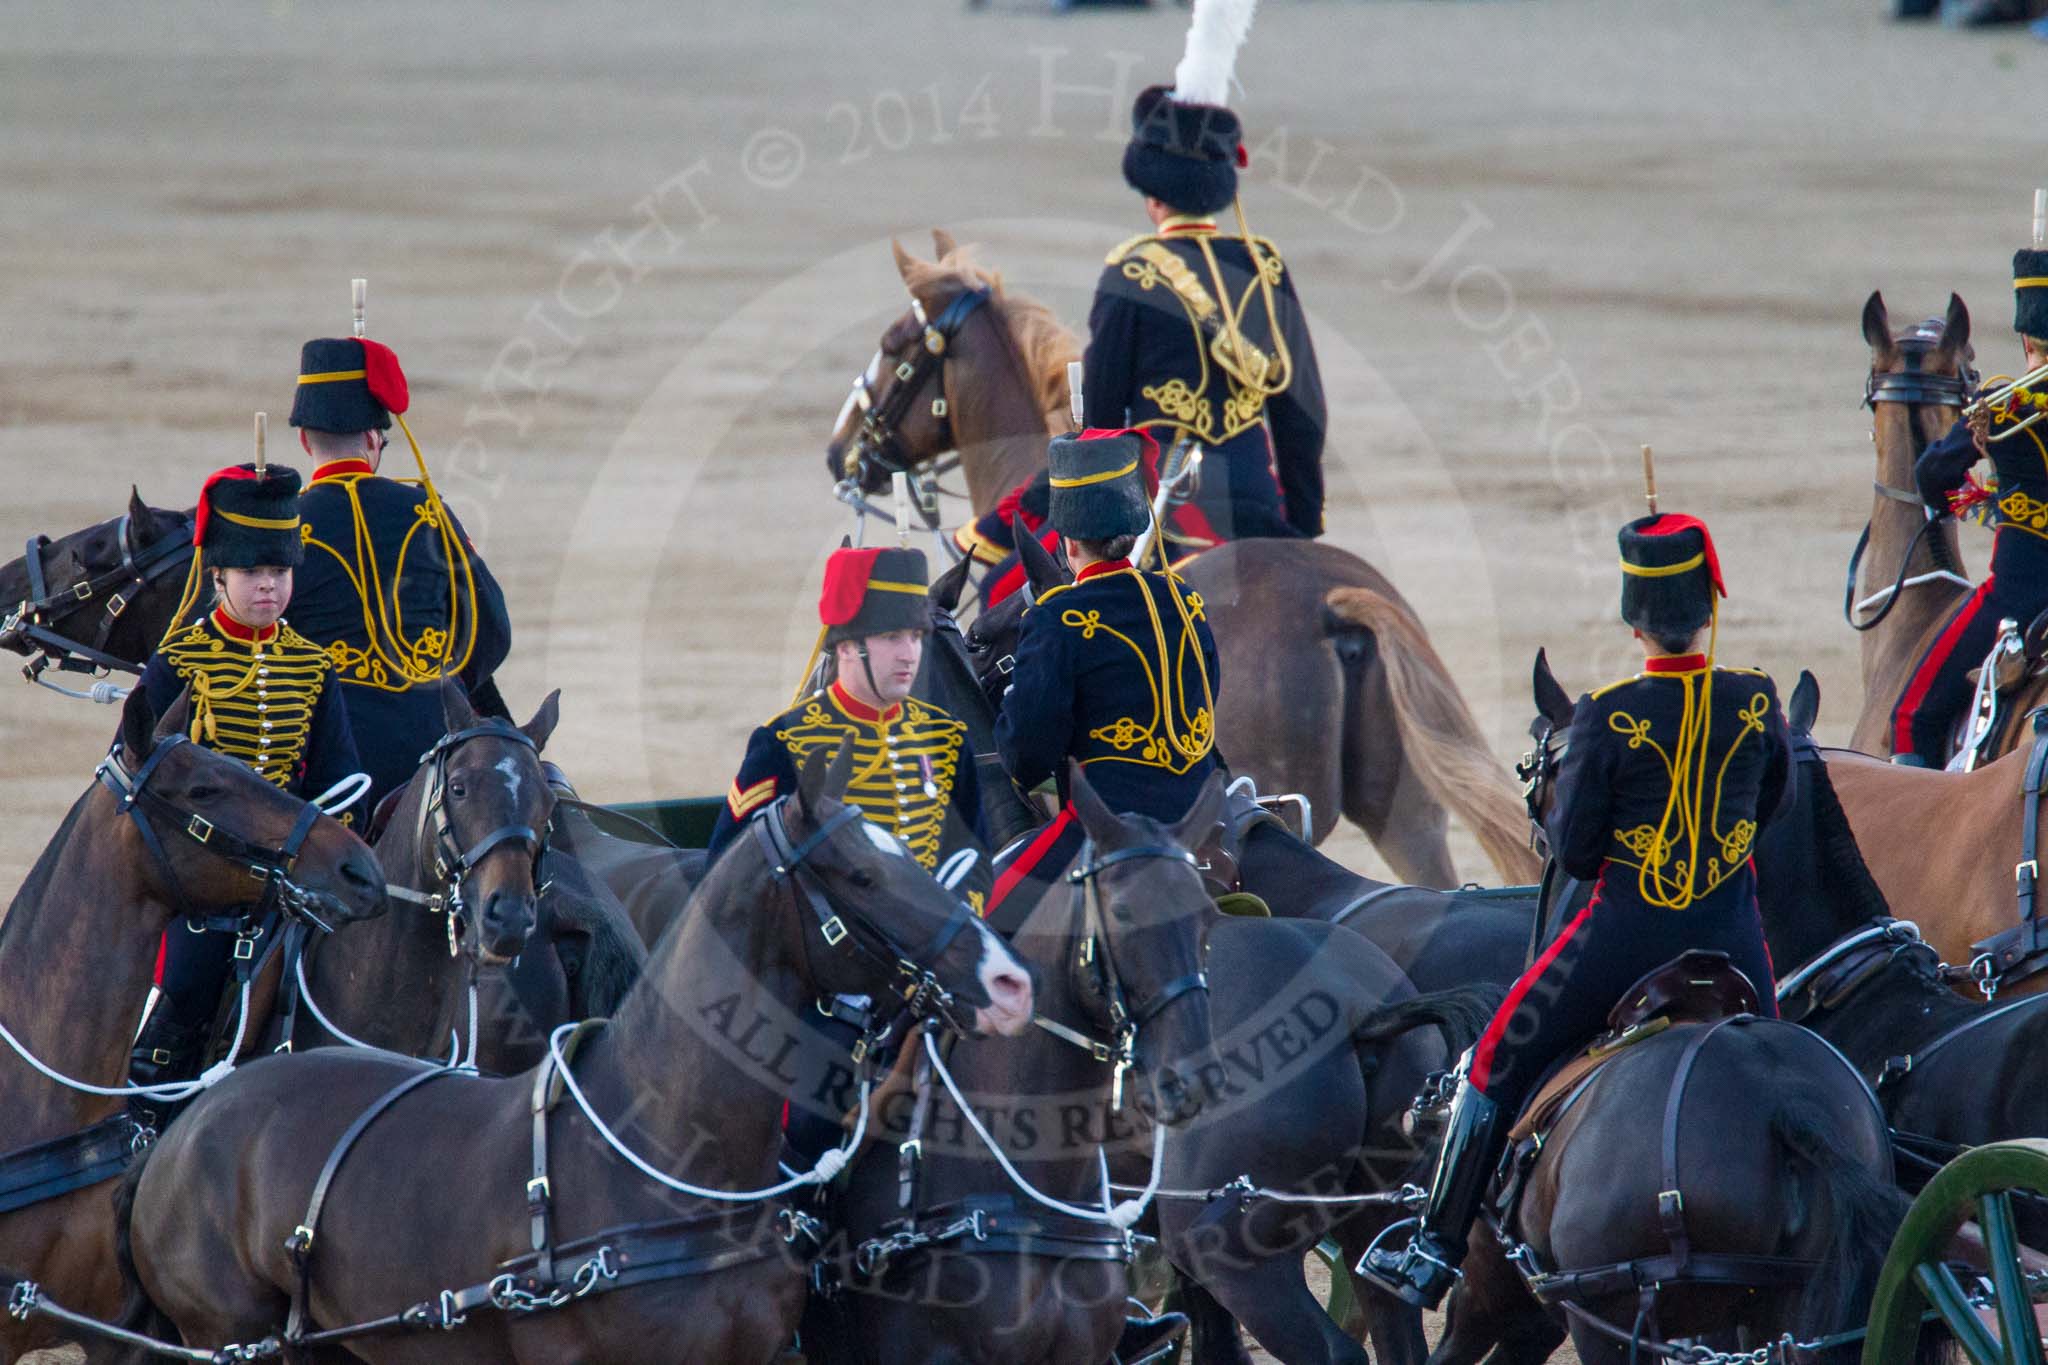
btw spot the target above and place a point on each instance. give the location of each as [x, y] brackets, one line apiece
[1331, 687]
[691, 1074]
[77, 950]
[1131, 937]
[462, 843]
[1912, 570]
[99, 597]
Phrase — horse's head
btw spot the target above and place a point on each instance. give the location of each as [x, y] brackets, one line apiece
[110, 588]
[873, 922]
[483, 810]
[222, 839]
[1141, 969]
[964, 368]
[1550, 729]
[1919, 381]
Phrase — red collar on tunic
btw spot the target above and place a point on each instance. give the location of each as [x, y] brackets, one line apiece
[860, 710]
[1100, 567]
[1675, 663]
[338, 469]
[235, 630]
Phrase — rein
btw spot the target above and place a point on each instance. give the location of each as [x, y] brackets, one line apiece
[37, 621]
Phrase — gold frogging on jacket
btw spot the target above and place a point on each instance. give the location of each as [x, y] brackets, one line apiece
[886, 753]
[1172, 737]
[253, 700]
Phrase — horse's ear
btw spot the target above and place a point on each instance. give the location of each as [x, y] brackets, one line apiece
[1039, 566]
[456, 710]
[810, 782]
[1202, 817]
[141, 522]
[1877, 326]
[943, 243]
[946, 589]
[138, 728]
[177, 717]
[1098, 821]
[1955, 334]
[543, 723]
[1553, 703]
[1804, 708]
[907, 265]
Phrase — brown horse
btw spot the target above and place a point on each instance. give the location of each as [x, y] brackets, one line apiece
[691, 1073]
[1136, 938]
[76, 954]
[1913, 577]
[1331, 687]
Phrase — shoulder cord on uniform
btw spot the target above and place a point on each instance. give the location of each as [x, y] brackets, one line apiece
[1684, 806]
[384, 627]
[1232, 317]
[188, 597]
[1187, 748]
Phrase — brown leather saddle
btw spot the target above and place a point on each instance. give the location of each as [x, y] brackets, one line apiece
[1216, 856]
[1696, 987]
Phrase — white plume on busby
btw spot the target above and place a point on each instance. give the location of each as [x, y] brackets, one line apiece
[1216, 33]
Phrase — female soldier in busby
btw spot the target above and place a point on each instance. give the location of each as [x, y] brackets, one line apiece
[2016, 585]
[1666, 780]
[260, 691]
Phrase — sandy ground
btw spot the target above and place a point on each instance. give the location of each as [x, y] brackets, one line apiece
[632, 252]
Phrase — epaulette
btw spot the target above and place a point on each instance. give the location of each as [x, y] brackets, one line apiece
[1266, 245]
[192, 634]
[1752, 672]
[287, 638]
[793, 708]
[1600, 692]
[1051, 593]
[1126, 247]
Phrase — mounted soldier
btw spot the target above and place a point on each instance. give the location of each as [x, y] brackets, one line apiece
[1666, 779]
[912, 773]
[392, 587]
[1195, 334]
[1116, 670]
[2015, 587]
[260, 691]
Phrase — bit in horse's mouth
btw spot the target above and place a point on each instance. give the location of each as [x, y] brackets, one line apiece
[486, 958]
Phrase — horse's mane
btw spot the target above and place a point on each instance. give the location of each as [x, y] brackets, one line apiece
[1042, 339]
[38, 880]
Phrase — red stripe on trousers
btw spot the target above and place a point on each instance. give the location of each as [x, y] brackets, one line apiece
[1931, 666]
[1482, 1054]
[1033, 854]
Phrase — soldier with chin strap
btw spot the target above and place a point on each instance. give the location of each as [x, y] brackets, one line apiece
[260, 691]
[1667, 779]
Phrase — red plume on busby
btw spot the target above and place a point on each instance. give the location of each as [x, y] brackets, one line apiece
[348, 384]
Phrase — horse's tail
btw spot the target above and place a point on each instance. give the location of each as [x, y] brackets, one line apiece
[138, 1312]
[1462, 1012]
[1866, 1212]
[1439, 737]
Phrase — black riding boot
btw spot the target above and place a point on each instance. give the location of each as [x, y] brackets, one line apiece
[165, 1051]
[1146, 1339]
[1424, 1271]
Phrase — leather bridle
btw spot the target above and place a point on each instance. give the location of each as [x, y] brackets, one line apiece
[1098, 965]
[1538, 770]
[42, 620]
[1915, 387]
[878, 444]
[915, 981]
[271, 864]
[444, 862]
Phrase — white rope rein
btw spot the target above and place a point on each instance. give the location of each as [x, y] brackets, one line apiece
[1121, 1216]
[829, 1165]
[172, 1091]
[455, 1054]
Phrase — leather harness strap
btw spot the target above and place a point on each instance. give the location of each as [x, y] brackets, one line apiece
[45, 1170]
[2022, 951]
[136, 571]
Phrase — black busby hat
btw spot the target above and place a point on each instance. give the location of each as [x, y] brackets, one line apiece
[1098, 487]
[1186, 155]
[2030, 293]
[869, 592]
[348, 384]
[1670, 574]
[246, 518]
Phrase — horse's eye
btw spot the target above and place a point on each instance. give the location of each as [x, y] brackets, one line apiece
[203, 791]
[861, 877]
[456, 790]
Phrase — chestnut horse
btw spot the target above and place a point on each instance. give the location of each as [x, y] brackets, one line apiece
[440, 1190]
[77, 951]
[1331, 688]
